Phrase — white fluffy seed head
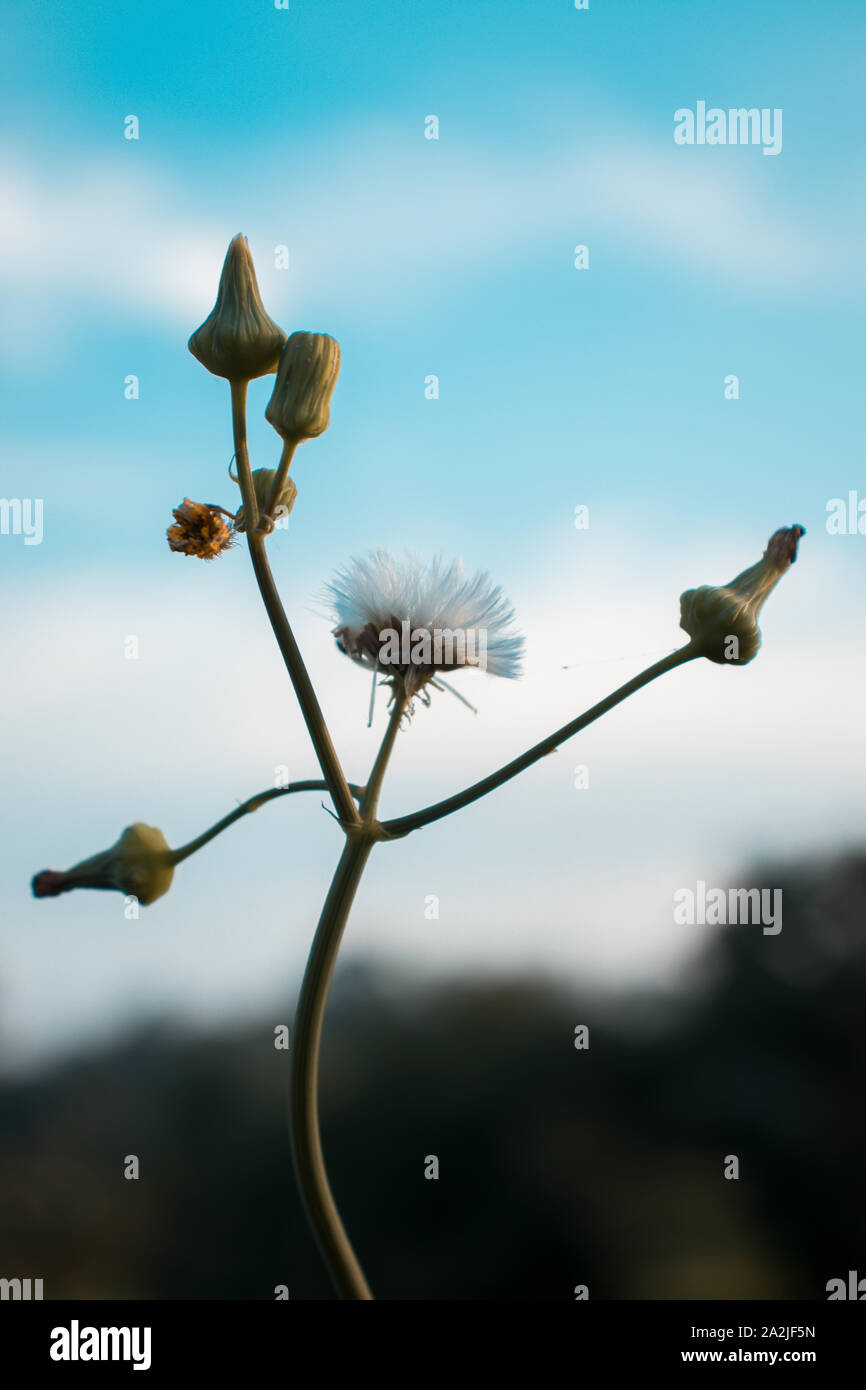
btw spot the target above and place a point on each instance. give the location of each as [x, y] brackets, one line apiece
[410, 620]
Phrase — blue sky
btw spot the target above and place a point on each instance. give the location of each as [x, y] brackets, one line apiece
[558, 387]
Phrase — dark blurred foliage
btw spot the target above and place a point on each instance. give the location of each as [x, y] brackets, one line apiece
[557, 1166]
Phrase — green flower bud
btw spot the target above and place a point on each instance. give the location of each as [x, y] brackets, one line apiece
[263, 481]
[238, 340]
[308, 371]
[723, 622]
[141, 865]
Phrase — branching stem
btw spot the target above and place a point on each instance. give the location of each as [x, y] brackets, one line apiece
[321, 1208]
[246, 808]
[313, 717]
[404, 825]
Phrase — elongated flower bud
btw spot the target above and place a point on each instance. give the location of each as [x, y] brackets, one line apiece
[723, 621]
[300, 405]
[263, 480]
[238, 340]
[141, 865]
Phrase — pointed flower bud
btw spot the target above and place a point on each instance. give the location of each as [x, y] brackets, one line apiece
[263, 480]
[237, 339]
[300, 404]
[723, 622]
[141, 865]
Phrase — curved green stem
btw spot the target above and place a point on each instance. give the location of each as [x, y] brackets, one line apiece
[266, 517]
[336, 1248]
[321, 1208]
[245, 809]
[404, 825]
[373, 789]
[313, 717]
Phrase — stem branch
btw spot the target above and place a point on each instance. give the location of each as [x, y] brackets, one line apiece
[322, 1213]
[310, 708]
[374, 782]
[245, 809]
[404, 825]
[312, 1176]
[266, 517]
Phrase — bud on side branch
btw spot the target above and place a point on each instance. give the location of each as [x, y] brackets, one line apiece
[723, 622]
[300, 405]
[263, 481]
[140, 864]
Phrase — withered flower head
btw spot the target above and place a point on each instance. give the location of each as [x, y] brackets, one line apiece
[263, 480]
[238, 340]
[201, 529]
[300, 405]
[723, 621]
[141, 865]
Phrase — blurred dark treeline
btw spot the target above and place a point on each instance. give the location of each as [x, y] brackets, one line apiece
[558, 1167]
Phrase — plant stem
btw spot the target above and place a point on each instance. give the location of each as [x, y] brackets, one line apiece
[370, 799]
[266, 517]
[245, 808]
[313, 717]
[321, 1208]
[242, 455]
[322, 1213]
[404, 825]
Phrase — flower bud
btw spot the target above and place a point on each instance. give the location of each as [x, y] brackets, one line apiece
[238, 340]
[308, 371]
[263, 481]
[141, 865]
[723, 622]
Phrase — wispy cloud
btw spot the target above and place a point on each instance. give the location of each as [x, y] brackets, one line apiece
[386, 230]
[686, 780]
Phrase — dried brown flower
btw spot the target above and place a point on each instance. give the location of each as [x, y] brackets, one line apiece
[201, 529]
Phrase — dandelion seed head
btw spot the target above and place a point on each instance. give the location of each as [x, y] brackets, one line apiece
[409, 620]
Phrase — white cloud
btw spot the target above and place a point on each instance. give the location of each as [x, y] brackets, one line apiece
[713, 219]
[694, 776]
[380, 227]
[106, 232]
